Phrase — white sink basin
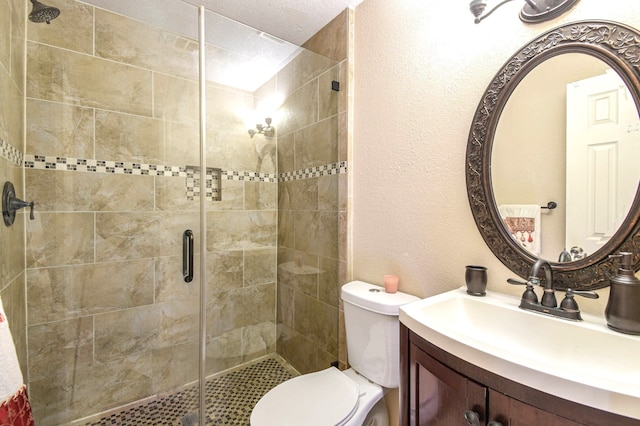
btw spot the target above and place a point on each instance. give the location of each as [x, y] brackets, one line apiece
[584, 361]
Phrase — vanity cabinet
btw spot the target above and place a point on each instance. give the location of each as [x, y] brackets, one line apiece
[437, 388]
[439, 395]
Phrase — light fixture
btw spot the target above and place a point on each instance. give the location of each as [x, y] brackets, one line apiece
[268, 130]
[532, 12]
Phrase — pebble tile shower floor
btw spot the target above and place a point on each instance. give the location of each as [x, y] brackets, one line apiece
[229, 399]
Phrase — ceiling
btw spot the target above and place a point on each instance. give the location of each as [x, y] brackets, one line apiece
[292, 20]
[263, 34]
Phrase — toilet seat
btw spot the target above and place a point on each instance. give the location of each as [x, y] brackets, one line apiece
[327, 397]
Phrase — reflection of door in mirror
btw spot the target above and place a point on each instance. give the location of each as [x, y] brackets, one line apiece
[528, 158]
[603, 143]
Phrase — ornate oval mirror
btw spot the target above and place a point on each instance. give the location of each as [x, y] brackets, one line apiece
[522, 154]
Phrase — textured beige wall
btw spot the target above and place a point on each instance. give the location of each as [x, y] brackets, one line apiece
[420, 70]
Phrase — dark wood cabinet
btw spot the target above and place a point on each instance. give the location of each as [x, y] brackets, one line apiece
[509, 411]
[437, 388]
[441, 396]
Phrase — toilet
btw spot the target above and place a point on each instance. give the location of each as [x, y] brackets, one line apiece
[353, 397]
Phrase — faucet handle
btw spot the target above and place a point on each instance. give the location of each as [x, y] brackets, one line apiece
[529, 295]
[584, 293]
[569, 303]
[17, 204]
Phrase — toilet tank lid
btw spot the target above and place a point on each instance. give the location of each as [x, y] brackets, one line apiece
[374, 298]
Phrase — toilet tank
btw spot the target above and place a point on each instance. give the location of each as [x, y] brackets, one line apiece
[373, 331]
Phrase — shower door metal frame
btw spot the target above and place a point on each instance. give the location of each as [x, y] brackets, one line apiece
[203, 216]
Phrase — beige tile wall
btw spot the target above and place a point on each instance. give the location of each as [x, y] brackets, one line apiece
[311, 214]
[12, 71]
[110, 319]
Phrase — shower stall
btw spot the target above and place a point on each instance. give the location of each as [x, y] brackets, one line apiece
[138, 129]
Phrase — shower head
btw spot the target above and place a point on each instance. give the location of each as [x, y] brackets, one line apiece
[42, 13]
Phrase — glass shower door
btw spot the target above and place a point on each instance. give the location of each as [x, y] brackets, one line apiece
[272, 239]
[112, 141]
[116, 146]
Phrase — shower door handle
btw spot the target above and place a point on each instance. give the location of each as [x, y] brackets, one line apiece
[187, 255]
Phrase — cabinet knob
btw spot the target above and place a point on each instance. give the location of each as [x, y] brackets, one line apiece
[472, 418]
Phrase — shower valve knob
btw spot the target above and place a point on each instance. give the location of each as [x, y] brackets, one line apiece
[10, 204]
[17, 204]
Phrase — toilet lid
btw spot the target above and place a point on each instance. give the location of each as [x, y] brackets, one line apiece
[327, 397]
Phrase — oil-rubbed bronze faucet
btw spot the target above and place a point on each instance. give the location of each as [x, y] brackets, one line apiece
[549, 296]
[568, 309]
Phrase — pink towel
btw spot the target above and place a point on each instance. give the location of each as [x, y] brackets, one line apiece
[15, 409]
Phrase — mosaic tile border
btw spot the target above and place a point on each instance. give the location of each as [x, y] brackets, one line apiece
[45, 162]
[326, 170]
[213, 184]
[10, 153]
[250, 176]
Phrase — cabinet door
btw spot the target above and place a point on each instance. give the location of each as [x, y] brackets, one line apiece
[440, 396]
[511, 412]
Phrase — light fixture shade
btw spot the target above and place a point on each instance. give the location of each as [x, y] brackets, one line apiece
[546, 10]
[532, 12]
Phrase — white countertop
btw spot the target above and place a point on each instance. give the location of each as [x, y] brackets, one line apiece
[581, 361]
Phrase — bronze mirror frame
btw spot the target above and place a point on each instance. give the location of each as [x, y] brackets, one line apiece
[619, 46]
